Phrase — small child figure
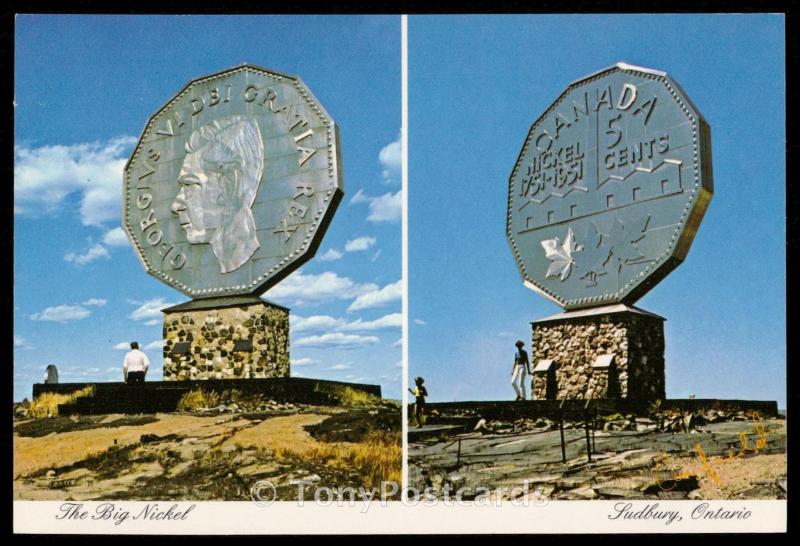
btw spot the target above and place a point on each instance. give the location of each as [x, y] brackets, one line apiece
[420, 392]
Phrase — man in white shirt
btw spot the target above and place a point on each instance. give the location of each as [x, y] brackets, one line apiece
[135, 365]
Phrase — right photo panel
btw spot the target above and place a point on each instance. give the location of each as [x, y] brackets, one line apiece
[596, 257]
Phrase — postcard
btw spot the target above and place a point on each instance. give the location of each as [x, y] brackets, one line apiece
[399, 274]
[590, 323]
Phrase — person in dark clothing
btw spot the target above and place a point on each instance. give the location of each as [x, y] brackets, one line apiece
[419, 392]
[521, 365]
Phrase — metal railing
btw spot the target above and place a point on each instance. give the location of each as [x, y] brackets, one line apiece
[588, 415]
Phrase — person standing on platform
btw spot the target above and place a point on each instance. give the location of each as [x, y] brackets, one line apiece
[51, 376]
[521, 365]
[419, 392]
[135, 365]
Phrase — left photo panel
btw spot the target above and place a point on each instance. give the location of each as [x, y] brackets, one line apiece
[207, 257]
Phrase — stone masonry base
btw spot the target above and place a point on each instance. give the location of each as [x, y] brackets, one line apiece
[609, 352]
[249, 339]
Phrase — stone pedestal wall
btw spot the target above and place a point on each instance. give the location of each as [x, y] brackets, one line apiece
[574, 343]
[539, 386]
[202, 343]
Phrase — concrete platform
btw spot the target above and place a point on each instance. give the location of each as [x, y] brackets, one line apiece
[551, 409]
[434, 431]
[626, 464]
[163, 396]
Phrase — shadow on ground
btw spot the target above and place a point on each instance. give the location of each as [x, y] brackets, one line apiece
[209, 455]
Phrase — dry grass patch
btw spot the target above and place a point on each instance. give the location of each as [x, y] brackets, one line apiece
[283, 432]
[66, 448]
[378, 457]
[46, 404]
[351, 397]
[199, 399]
[729, 477]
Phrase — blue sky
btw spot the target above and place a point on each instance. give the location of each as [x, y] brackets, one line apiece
[84, 88]
[470, 107]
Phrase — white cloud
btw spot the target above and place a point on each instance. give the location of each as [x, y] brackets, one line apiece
[301, 289]
[153, 322]
[341, 367]
[316, 322]
[376, 255]
[358, 244]
[331, 255]
[62, 313]
[336, 339]
[304, 362]
[325, 322]
[378, 297]
[393, 320]
[398, 343]
[158, 344]
[45, 176]
[91, 254]
[150, 310]
[122, 346]
[116, 237]
[384, 208]
[96, 302]
[391, 158]
[360, 197]
[354, 245]
[420, 322]
[298, 374]
[21, 342]
[79, 374]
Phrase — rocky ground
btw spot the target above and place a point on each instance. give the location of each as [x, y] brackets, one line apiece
[706, 455]
[212, 454]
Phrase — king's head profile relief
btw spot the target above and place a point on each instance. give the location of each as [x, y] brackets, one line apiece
[218, 182]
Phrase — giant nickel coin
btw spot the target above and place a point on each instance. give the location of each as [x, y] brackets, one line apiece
[609, 188]
[232, 183]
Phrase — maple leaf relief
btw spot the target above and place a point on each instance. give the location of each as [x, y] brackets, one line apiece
[593, 256]
[561, 255]
[625, 239]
